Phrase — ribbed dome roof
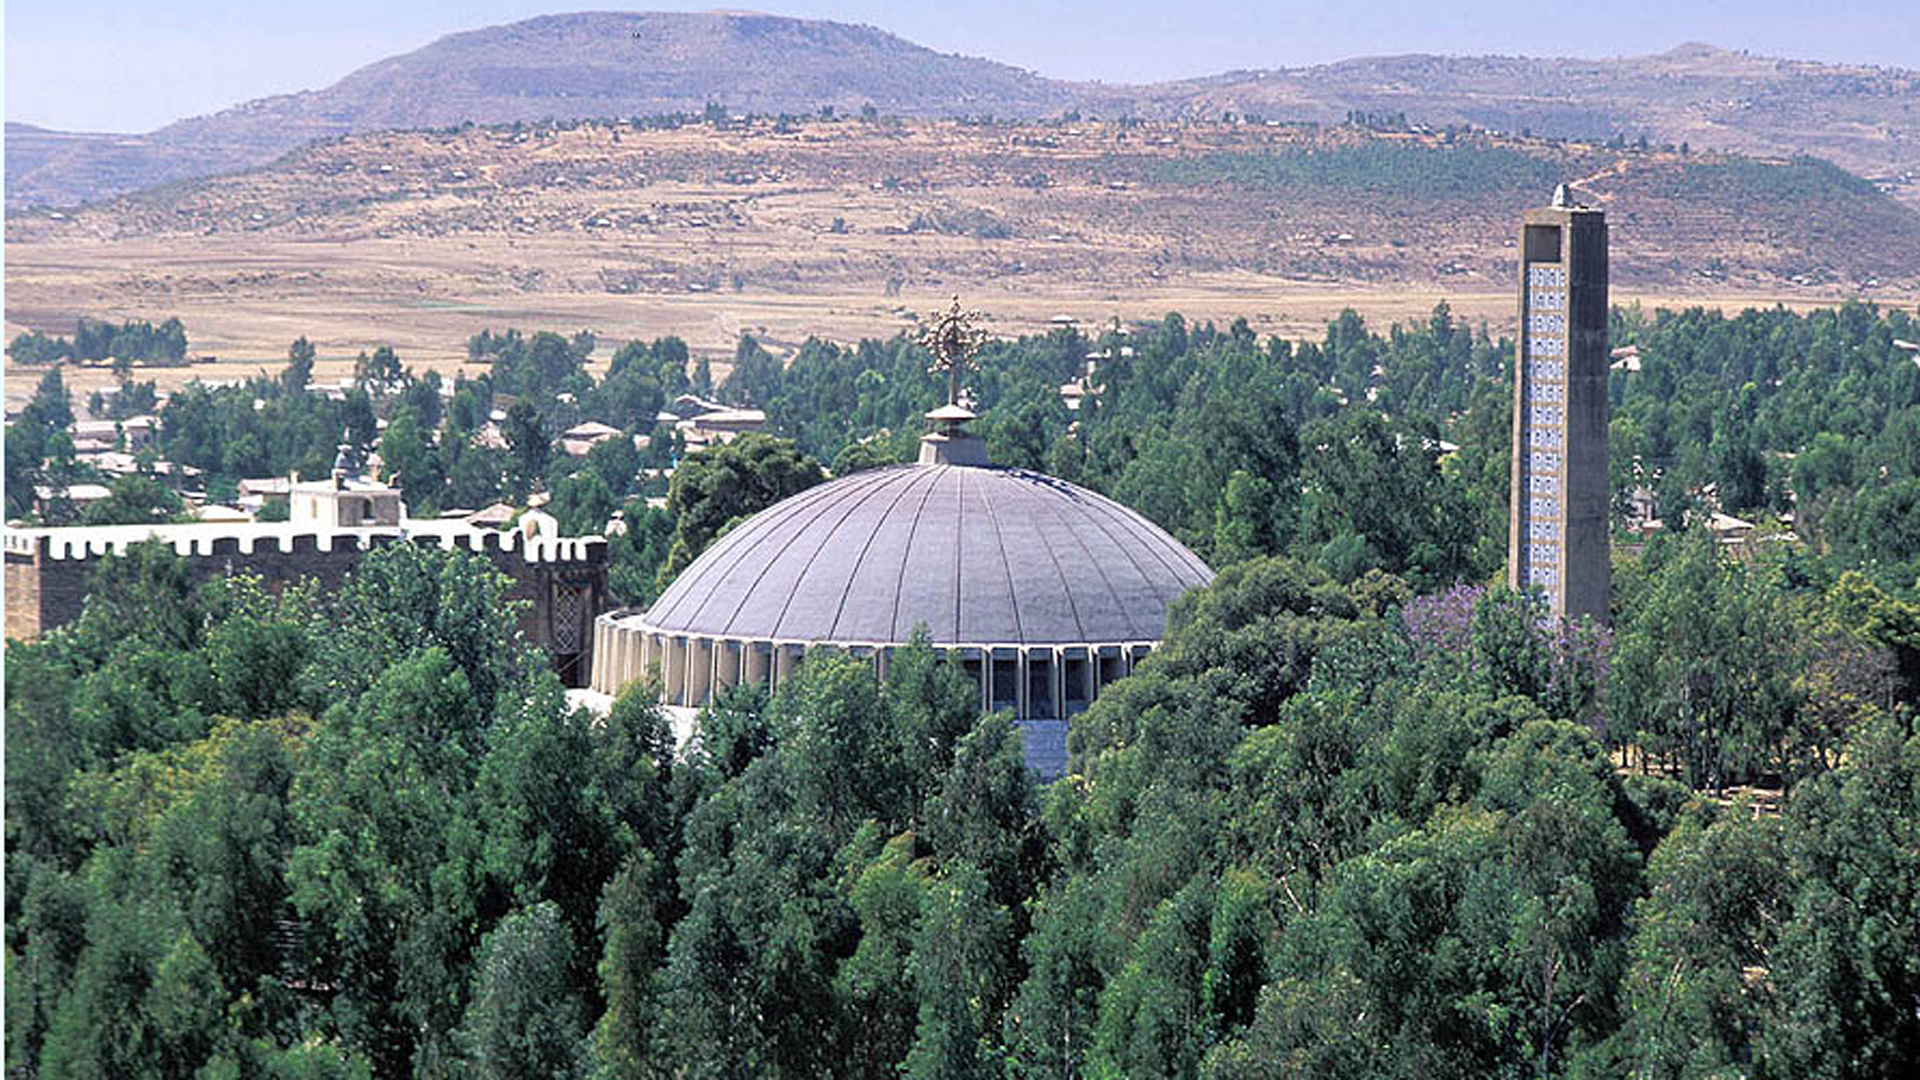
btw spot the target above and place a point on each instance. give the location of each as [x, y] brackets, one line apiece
[979, 555]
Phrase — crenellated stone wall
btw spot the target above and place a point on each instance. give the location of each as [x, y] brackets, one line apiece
[563, 580]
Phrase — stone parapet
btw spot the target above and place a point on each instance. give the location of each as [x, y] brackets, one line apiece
[560, 580]
[90, 542]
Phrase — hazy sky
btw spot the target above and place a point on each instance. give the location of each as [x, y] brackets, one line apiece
[133, 65]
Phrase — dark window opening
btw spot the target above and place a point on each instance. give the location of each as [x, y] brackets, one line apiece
[1040, 688]
[1077, 670]
[1543, 243]
[1006, 686]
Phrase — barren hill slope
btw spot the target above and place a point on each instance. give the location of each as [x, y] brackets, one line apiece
[1865, 119]
[420, 236]
[568, 66]
[605, 64]
[610, 66]
[1341, 203]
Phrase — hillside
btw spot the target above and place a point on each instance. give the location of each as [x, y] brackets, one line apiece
[1865, 119]
[609, 65]
[582, 65]
[1339, 204]
[62, 168]
[836, 227]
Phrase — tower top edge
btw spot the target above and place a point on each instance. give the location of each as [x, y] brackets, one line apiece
[1562, 215]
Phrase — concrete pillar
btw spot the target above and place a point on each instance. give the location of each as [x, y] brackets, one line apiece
[1023, 675]
[785, 659]
[758, 663]
[662, 661]
[609, 657]
[699, 671]
[606, 658]
[676, 673]
[607, 638]
[1060, 685]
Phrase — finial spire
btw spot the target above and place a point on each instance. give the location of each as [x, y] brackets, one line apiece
[343, 461]
[953, 339]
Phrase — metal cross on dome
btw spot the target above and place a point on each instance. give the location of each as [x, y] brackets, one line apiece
[953, 340]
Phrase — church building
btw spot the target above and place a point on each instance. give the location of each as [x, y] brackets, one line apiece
[1045, 591]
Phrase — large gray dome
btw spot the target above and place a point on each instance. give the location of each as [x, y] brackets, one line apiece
[980, 556]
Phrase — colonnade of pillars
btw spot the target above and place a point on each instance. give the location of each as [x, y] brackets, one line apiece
[1034, 682]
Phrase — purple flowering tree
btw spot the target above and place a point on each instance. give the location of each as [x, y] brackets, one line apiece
[1503, 642]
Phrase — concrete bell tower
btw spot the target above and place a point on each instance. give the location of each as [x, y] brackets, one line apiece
[1557, 527]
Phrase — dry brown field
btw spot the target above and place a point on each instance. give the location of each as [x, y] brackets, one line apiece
[247, 335]
[418, 240]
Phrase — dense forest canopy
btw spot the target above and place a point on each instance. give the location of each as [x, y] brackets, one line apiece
[1339, 451]
[1360, 815]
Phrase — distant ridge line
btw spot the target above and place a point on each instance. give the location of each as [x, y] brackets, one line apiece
[613, 65]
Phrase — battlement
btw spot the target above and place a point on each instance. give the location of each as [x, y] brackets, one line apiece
[245, 539]
[562, 578]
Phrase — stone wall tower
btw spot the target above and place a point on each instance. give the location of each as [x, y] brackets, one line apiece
[1557, 528]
